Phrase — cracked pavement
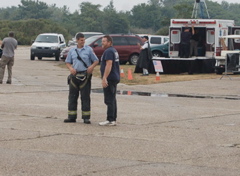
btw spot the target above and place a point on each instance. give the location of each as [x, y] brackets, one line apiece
[155, 136]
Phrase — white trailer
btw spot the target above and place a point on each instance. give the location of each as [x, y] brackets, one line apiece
[210, 31]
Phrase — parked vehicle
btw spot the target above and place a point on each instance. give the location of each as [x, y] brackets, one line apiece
[47, 45]
[155, 40]
[86, 35]
[126, 45]
[64, 53]
[160, 50]
[210, 32]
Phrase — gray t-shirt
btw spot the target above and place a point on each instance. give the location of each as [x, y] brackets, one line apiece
[9, 45]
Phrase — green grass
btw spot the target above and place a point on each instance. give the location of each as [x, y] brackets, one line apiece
[151, 79]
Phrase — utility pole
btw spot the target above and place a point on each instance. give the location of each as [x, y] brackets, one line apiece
[199, 8]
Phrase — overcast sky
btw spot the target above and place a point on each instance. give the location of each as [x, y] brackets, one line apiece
[124, 5]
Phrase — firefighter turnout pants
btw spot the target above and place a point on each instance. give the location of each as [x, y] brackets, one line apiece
[83, 88]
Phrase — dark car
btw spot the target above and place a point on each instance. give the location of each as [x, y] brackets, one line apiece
[161, 50]
[126, 45]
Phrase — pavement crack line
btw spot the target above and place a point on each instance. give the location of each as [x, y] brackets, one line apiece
[142, 163]
[26, 115]
[210, 157]
[41, 91]
[30, 138]
[194, 119]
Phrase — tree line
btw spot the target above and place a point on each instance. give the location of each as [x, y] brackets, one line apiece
[31, 17]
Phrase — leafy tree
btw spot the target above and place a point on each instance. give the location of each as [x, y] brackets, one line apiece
[90, 18]
[114, 22]
[32, 17]
[33, 9]
[147, 15]
[9, 13]
[183, 10]
[27, 30]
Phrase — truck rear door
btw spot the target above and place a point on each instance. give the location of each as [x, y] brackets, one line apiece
[175, 39]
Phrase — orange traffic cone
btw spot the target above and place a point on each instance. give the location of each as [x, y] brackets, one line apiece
[130, 77]
[122, 73]
[157, 76]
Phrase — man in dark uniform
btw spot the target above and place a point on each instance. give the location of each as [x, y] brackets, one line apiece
[185, 42]
[81, 61]
[110, 78]
[194, 43]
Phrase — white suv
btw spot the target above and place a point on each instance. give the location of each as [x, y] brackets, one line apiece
[155, 40]
[48, 45]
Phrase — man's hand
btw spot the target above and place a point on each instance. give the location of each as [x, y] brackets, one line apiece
[104, 83]
[90, 69]
[73, 71]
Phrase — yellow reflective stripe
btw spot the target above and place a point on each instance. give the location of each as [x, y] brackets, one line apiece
[86, 112]
[72, 112]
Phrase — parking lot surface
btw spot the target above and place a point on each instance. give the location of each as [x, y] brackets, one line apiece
[188, 128]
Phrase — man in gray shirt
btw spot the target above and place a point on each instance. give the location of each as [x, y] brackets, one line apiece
[9, 44]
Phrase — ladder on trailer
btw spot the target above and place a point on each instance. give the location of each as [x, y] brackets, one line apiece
[199, 8]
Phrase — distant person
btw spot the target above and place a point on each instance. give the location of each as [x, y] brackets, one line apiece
[110, 72]
[81, 62]
[145, 56]
[194, 43]
[185, 42]
[9, 44]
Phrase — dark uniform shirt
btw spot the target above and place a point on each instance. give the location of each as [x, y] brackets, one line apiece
[186, 36]
[111, 54]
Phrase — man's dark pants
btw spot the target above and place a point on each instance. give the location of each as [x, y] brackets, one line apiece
[76, 86]
[110, 100]
[185, 50]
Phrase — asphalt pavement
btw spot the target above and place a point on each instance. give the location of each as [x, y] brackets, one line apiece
[188, 128]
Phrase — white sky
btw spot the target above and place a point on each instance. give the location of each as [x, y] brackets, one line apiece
[74, 4]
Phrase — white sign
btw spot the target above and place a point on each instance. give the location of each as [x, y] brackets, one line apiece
[158, 66]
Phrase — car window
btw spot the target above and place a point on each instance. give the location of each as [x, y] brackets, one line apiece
[99, 42]
[155, 40]
[89, 40]
[133, 40]
[166, 39]
[119, 41]
[47, 39]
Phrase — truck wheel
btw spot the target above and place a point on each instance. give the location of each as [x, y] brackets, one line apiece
[133, 59]
[39, 58]
[32, 57]
[157, 54]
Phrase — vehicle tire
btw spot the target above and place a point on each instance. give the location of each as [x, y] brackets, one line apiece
[157, 54]
[57, 57]
[39, 58]
[133, 59]
[32, 57]
[123, 62]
